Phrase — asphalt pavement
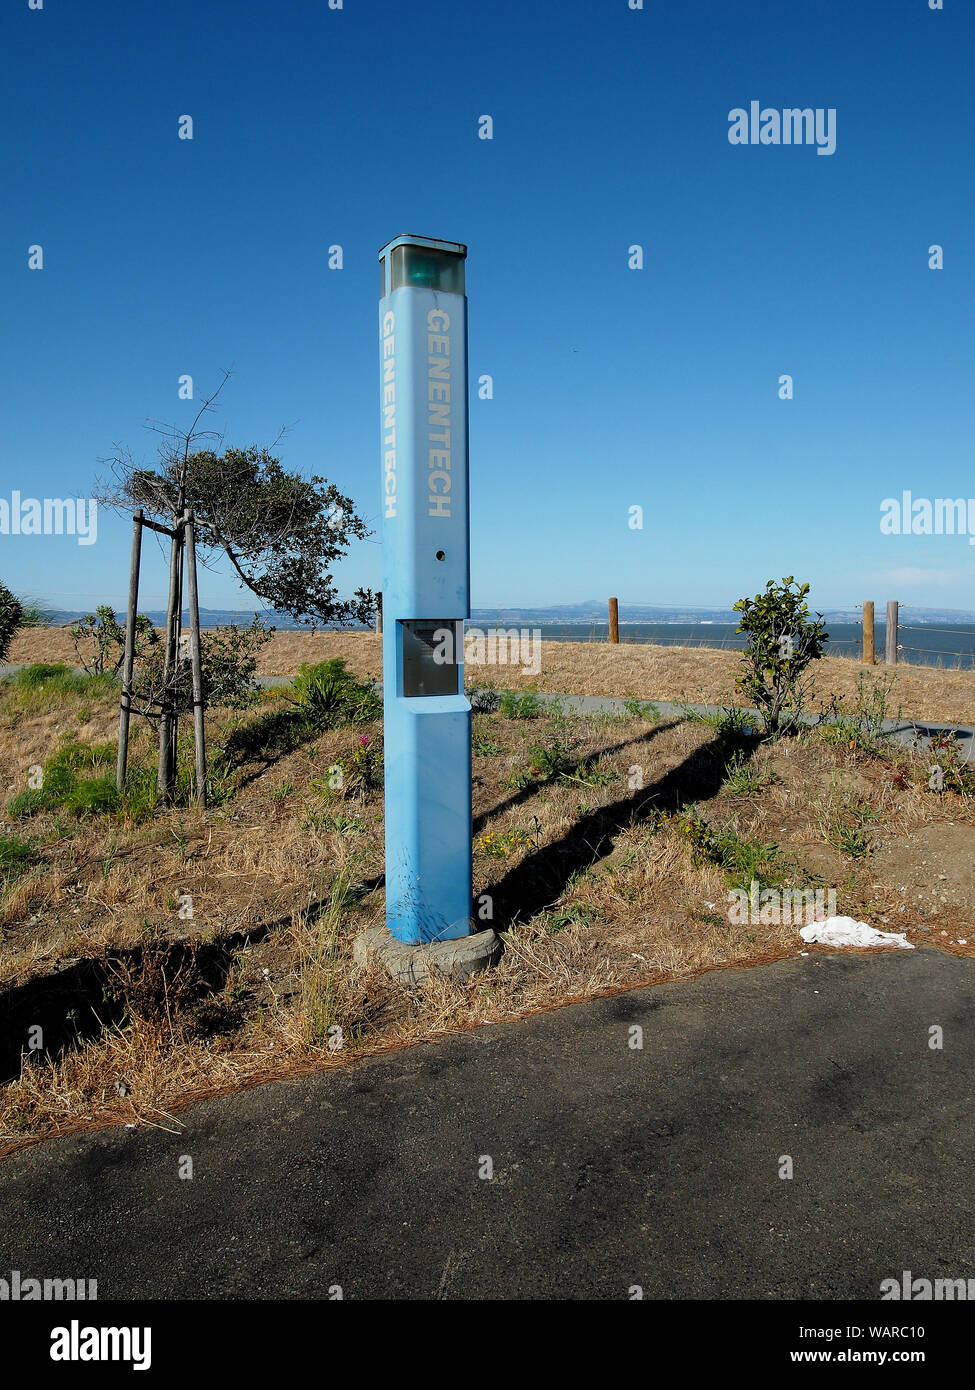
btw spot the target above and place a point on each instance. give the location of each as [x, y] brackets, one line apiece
[552, 1159]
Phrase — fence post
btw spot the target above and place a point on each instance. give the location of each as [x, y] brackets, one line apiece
[869, 657]
[125, 706]
[379, 611]
[614, 620]
[892, 611]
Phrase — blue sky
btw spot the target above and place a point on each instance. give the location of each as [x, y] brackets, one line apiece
[612, 387]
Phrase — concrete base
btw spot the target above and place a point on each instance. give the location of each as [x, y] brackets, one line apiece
[412, 964]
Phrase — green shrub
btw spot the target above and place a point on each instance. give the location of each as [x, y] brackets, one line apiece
[328, 695]
[99, 640]
[228, 664]
[11, 615]
[782, 641]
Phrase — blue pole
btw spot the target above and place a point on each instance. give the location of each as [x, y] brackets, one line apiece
[426, 589]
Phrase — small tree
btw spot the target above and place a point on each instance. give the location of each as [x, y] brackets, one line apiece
[11, 614]
[99, 640]
[281, 533]
[783, 639]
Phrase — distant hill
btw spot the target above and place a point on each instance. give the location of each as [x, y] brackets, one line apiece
[585, 614]
[209, 617]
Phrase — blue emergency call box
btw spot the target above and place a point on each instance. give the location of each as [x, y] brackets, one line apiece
[426, 588]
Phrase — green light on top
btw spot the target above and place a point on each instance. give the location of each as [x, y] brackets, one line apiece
[421, 268]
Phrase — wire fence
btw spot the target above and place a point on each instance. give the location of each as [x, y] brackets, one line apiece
[848, 646]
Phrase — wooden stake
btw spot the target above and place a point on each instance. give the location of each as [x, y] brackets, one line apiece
[379, 611]
[614, 620]
[167, 720]
[869, 658]
[892, 618]
[199, 741]
[125, 706]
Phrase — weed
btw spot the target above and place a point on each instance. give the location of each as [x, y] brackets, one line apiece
[947, 769]
[45, 685]
[515, 706]
[565, 917]
[742, 779]
[641, 709]
[497, 843]
[484, 701]
[862, 726]
[743, 858]
[843, 820]
[16, 856]
[484, 747]
[729, 723]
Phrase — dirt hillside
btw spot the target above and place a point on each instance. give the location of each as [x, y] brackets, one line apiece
[698, 674]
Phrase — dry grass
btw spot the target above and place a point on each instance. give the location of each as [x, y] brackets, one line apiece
[598, 883]
[697, 674]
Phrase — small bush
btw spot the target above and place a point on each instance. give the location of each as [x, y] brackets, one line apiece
[228, 662]
[99, 640]
[783, 640]
[11, 616]
[328, 695]
[321, 697]
[484, 701]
